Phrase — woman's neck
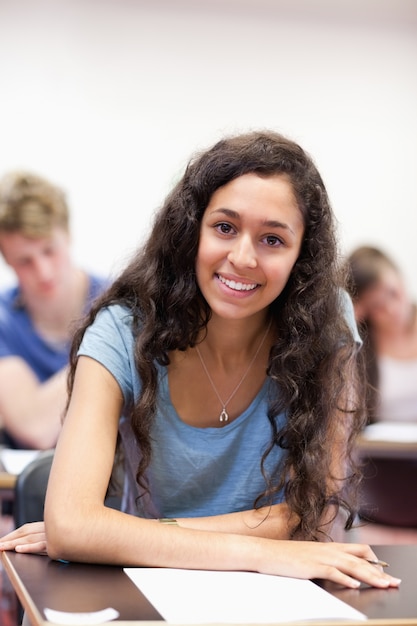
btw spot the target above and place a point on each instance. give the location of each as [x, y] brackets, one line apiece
[229, 342]
[214, 382]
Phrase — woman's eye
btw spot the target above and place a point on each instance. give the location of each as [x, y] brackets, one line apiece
[224, 228]
[273, 241]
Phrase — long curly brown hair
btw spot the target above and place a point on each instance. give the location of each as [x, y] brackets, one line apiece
[314, 350]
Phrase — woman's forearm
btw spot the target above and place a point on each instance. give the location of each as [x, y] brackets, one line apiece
[116, 538]
[272, 522]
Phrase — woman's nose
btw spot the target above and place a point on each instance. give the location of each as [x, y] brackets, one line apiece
[243, 253]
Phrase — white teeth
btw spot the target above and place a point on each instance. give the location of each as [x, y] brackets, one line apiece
[237, 286]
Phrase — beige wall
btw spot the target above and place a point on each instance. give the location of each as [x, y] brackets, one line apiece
[109, 97]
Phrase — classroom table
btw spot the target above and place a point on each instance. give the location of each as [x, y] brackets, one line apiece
[12, 463]
[388, 492]
[7, 484]
[367, 448]
[41, 582]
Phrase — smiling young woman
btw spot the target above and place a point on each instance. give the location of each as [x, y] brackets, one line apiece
[224, 359]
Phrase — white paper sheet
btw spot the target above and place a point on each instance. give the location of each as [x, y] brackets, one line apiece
[203, 597]
[397, 432]
[70, 619]
[15, 461]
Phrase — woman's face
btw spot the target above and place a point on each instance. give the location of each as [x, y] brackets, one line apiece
[385, 305]
[250, 239]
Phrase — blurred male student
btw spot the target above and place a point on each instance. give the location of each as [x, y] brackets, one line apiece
[38, 313]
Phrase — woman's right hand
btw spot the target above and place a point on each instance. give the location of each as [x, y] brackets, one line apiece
[346, 564]
[29, 538]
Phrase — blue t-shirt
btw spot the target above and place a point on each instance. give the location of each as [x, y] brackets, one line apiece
[194, 471]
[18, 337]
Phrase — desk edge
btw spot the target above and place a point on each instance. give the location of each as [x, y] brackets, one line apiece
[34, 616]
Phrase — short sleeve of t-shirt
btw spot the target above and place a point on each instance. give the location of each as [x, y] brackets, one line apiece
[110, 341]
[349, 313]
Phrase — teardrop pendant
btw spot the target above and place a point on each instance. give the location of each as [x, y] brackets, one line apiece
[224, 416]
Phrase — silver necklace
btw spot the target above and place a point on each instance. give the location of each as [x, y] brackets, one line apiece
[224, 416]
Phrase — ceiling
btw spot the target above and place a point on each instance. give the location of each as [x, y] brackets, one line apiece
[386, 13]
[401, 13]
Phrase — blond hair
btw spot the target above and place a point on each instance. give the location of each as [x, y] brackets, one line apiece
[31, 205]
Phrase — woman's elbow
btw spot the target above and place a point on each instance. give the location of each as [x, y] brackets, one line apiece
[64, 535]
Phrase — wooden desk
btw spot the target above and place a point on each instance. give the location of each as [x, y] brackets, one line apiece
[389, 488]
[367, 448]
[7, 483]
[390, 606]
[40, 582]
[16, 462]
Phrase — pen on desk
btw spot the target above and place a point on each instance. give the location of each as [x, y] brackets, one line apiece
[377, 562]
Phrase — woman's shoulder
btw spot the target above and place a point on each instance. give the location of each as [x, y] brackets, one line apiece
[111, 333]
[113, 320]
[116, 313]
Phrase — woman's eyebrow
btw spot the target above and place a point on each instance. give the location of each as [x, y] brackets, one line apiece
[268, 223]
[276, 224]
[228, 212]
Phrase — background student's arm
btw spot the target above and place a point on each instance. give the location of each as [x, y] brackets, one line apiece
[31, 411]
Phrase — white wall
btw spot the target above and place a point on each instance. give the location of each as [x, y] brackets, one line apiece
[108, 98]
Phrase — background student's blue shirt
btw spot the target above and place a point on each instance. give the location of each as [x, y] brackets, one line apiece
[18, 336]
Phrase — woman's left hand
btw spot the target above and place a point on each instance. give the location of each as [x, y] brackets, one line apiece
[27, 538]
